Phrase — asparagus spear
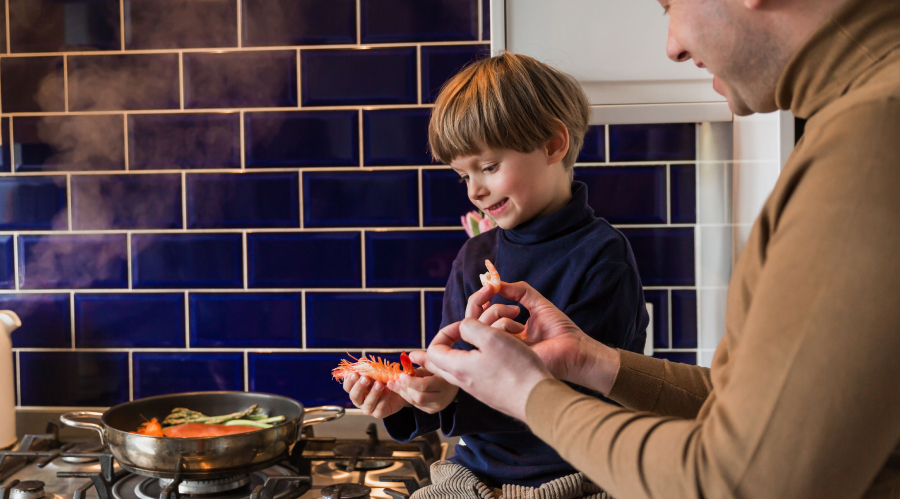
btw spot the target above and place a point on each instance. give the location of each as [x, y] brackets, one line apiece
[182, 415]
[260, 423]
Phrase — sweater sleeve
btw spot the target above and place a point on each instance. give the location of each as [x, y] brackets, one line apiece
[806, 404]
[659, 386]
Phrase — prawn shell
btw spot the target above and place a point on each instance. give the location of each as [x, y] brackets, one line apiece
[376, 369]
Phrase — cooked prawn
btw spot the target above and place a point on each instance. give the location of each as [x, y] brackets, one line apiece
[491, 277]
[151, 428]
[375, 368]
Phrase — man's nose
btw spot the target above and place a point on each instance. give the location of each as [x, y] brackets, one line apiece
[674, 50]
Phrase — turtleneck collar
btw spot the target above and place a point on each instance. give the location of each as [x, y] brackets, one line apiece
[860, 34]
[570, 217]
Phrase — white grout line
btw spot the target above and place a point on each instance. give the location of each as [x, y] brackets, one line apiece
[303, 318]
[481, 19]
[362, 149]
[299, 90]
[121, 23]
[244, 249]
[240, 20]
[300, 196]
[184, 225]
[12, 148]
[419, 72]
[422, 317]
[358, 22]
[282, 230]
[72, 318]
[128, 258]
[69, 200]
[671, 326]
[66, 82]
[421, 202]
[362, 243]
[243, 146]
[606, 143]
[668, 196]
[125, 128]
[378, 290]
[16, 259]
[336, 46]
[222, 110]
[8, 38]
[246, 369]
[18, 357]
[187, 321]
[130, 375]
[181, 80]
[219, 350]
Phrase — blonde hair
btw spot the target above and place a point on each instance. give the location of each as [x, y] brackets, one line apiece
[510, 101]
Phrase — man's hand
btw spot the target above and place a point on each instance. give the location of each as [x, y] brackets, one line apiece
[372, 398]
[565, 350]
[426, 392]
[501, 372]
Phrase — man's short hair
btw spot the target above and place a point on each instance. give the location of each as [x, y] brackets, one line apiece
[510, 101]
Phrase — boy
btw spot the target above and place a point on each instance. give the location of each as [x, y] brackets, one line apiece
[512, 128]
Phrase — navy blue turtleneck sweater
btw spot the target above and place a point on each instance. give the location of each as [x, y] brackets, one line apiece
[586, 268]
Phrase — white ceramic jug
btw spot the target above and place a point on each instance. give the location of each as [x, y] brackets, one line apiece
[9, 321]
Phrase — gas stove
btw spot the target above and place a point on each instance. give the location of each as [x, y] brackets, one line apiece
[43, 467]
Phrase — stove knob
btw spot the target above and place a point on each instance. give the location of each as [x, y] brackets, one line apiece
[31, 489]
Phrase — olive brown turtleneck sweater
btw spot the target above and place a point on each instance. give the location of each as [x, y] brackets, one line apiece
[803, 397]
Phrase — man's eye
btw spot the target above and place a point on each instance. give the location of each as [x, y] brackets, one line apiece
[666, 10]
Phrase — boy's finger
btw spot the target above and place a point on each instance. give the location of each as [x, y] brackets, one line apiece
[523, 293]
[509, 325]
[371, 401]
[498, 311]
[430, 384]
[350, 381]
[446, 337]
[418, 357]
[476, 302]
[359, 391]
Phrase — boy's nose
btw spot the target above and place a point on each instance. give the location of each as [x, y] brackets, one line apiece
[477, 190]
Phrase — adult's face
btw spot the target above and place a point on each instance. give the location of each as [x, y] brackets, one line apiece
[735, 41]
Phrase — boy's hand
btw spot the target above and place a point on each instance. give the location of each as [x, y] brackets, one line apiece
[426, 392]
[372, 398]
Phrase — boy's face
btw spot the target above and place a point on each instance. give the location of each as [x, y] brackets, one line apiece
[511, 186]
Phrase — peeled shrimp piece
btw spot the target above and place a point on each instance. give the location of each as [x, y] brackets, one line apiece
[491, 277]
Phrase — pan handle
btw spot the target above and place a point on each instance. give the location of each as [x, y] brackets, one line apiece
[336, 409]
[69, 419]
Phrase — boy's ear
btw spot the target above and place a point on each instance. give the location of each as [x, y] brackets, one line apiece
[558, 145]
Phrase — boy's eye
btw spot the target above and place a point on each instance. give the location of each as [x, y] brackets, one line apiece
[490, 169]
[463, 179]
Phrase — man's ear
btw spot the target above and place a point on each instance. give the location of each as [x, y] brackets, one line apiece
[558, 145]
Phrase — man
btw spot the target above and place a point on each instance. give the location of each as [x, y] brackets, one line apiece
[803, 397]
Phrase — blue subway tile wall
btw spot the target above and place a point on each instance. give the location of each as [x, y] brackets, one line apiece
[380, 199]
[232, 200]
[68, 143]
[113, 320]
[213, 198]
[164, 24]
[73, 378]
[289, 22]
[396, 137]
[52, 26]
[246, 319]
[357, 76]
[295, 139]
[304, 260]
[184, 141]
[126, 202]
[240, 79]
[123, 82]
[32, 84]
[46, 320]
[379, 320]
[205, 260]
[33, 203]
[416, 21]
[196, 372]
[72, 261]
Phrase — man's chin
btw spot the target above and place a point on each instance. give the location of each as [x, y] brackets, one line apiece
[737, 105]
